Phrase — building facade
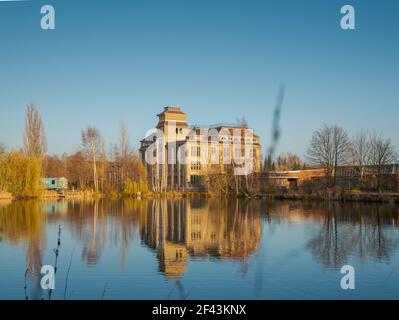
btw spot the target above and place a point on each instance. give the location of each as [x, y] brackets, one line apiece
[180, 157]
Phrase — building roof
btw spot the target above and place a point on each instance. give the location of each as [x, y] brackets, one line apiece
[171, 109]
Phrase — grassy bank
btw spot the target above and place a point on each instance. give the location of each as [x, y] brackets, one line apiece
[332, 196]
[326, 195]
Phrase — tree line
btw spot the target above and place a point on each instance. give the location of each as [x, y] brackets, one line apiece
[117, 167]
[331, 147]
[94, 166]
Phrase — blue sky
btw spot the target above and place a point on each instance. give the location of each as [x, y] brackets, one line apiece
[217, 59]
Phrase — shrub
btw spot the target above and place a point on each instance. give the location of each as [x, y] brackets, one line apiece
[135, 187]
[20, 174]
[270, 189]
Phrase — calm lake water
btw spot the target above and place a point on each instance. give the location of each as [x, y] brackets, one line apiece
[198, 249]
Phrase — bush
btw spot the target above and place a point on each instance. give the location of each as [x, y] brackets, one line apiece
[309, 187]
[135, 187]
[270, 189]
[20, 174]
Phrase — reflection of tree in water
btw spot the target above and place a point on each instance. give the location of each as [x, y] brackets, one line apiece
[128, 223]
[361, 230]
[200, 228]
[99, 224]
[94, 242]
[179, 230]
[23, 222]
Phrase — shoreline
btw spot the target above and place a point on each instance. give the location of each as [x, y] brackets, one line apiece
[374, 197]
[6, 196]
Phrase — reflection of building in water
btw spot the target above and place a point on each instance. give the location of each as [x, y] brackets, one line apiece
[223, 233]
[59, 207]
[163, 228]
[199, 229]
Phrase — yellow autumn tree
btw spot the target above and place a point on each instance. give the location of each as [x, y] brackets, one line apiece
[20, 174]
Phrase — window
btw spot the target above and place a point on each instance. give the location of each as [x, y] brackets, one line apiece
[195, 166]
[196, 235]
[226, 152]
[238, 153]
[196, 151]
[195, 180]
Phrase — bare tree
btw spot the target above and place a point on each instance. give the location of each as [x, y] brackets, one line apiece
[125, 149]
[320, 151]
[381, 153]
[342, 148]
[78, 170]
[329, 148]
[288, 161]
[35, 143]
[218, 182]
[103, 164]
[125, 154]
[361, 151]
[91, 141]
[54, 166]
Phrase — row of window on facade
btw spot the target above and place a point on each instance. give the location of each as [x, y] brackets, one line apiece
[195, 180]
[196, 152]
[238, 152]
[196, 235]
[195, 165]
[221, 138]
[224, 139]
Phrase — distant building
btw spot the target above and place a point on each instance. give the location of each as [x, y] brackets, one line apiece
[348, 177]
[352, 176]
[55, 184]
[186, 155]
[291, 179]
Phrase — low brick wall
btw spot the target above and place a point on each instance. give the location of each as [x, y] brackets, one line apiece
[284, 179]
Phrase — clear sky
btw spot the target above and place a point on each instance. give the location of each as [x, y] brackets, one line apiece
[217, 59]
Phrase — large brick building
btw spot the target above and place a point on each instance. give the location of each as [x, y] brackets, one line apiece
[178, 156]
